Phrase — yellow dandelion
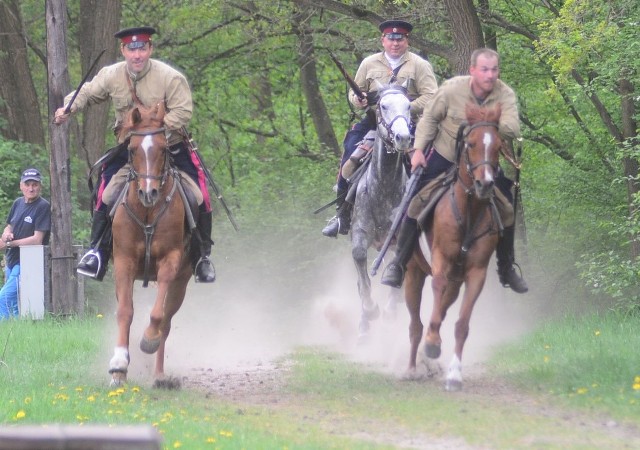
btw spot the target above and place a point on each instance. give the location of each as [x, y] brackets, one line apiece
[211, 440]
[177, 444]
[79, 389]
[21, 414]
[27, 400]
[135, 389]
[547, 346]
[99, 316]
[597, 332]
[91, 398]
[582, 390]
[546, 359]
[636, 386]
[226, 433]
[636, 379]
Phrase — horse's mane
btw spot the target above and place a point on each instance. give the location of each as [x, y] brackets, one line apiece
[477, 113]
[142, 117]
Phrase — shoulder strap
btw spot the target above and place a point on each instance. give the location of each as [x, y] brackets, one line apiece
[394, 73]
[132, 89]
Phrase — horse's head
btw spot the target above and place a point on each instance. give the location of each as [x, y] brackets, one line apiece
[394, 116]
[482, 144]
[147, 150]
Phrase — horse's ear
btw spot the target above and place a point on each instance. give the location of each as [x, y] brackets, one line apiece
[135, 117]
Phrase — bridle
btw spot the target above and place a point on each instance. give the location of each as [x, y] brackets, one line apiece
[387, 139]
[462, 147]
[135, 175]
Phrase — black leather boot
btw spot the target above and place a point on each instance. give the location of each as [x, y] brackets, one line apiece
[94, 263]
[203, 269]
[393, 274]
[341, 222]
[505, 256]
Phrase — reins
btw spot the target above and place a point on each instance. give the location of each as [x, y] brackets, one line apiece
[470, 225]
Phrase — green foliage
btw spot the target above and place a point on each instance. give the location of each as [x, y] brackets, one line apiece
[16, 157]
[588, 361]
[255, 131]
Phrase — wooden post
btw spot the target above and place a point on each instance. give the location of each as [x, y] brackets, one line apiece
[63, 276]
[86, 437]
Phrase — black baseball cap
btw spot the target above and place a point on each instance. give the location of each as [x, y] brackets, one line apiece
[31, 174]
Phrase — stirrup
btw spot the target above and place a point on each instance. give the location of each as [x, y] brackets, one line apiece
[204, 260]
[85, 272]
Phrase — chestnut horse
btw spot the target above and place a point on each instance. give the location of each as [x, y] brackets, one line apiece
[461, 236]
[150, 241]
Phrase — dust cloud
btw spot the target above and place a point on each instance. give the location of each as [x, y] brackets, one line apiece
[249, 318]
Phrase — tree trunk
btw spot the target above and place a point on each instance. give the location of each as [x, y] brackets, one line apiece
[465, 31]
[63, 276]
[99, 20]
[310, 87]
[631, 169]
[19, 105]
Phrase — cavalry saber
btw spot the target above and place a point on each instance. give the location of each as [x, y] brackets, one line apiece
[402, 208]
[67, 110]
[194, 149]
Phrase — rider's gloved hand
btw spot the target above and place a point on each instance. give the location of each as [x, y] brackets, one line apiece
[417, 159]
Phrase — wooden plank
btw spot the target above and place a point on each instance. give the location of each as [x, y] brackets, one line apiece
[75, 437]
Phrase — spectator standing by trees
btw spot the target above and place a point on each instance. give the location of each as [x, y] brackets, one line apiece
[28, 223]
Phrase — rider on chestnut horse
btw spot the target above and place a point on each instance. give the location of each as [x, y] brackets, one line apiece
[140, 80]
[439, 124]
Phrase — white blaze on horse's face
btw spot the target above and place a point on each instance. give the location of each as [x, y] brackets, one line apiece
[394, 111]
[487, 141]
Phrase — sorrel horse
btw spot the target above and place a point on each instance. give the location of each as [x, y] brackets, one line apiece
[378, 192]
[150, 241]
[461, 237]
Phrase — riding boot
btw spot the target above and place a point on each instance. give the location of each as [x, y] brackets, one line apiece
[203, 267]
[505, 256]
[341, 222]
[407, 236]
[94, 263]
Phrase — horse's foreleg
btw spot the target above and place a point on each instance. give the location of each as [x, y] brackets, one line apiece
[413, 285]
[445, 292]
[153, 335]
[369, 308]
[119, 363]
[473, 287]
[174, 298]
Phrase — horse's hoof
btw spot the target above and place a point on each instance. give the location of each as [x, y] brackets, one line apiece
[168, 383]
[432, 351]
[453, 385]
[371, 313]
[149, 345]
[118, 379]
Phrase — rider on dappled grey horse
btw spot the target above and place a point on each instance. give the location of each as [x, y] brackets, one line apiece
[439, 124]
[140, 80]
[394, 65]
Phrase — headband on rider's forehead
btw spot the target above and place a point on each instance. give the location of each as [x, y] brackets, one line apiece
[135, 37]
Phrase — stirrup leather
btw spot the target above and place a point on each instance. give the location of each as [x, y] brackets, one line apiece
[84, 259]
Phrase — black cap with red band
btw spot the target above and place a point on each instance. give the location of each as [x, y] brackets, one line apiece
[395, 29]
[135, 37]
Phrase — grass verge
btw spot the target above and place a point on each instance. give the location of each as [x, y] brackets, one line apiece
[48, 375]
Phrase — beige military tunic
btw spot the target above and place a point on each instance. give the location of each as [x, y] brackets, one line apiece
[421, 81]
[442, 118]
[158, 82]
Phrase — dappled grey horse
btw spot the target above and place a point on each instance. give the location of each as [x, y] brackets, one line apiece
[379, 191]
